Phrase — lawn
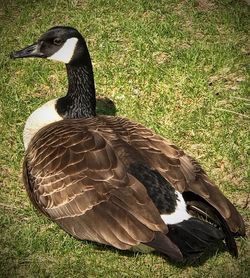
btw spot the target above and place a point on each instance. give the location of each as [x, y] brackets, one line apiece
[179, 67]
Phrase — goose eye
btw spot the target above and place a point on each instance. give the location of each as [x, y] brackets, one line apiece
[57, 41]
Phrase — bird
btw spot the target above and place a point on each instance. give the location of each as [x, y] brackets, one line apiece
[112, 181]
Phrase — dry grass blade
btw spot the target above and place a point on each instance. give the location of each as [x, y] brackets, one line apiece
[233, 112]
[241, 98]
[7, 206]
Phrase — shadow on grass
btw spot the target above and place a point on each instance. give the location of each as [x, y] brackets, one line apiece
[194, 262]
[105, 106]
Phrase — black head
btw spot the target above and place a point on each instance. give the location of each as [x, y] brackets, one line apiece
[60, 43]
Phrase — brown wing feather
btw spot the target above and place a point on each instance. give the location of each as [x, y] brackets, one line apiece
[76, 178]
[181, 170]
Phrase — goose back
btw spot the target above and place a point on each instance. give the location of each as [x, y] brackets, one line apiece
[77, 172]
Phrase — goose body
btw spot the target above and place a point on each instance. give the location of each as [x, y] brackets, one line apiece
[113, 181]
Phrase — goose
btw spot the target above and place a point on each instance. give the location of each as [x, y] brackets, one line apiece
[113, 181]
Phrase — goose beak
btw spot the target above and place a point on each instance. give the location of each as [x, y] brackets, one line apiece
[29, 51]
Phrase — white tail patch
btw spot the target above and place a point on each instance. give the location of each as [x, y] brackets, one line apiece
[180, 214]
[66, 52]
[44, 115]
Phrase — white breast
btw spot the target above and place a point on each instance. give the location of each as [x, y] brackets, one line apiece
[41, 117]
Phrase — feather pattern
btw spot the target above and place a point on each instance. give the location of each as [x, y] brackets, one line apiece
[78, 177]
[109, 180]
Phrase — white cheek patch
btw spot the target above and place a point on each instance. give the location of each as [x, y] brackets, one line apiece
[180, 214]
[65, 53]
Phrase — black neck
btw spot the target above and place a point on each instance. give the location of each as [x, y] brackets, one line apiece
[80, 100]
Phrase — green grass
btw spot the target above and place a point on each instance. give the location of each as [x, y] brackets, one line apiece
[178, 67]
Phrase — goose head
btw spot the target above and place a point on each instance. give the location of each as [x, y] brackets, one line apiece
[60, 43]
[64, 44]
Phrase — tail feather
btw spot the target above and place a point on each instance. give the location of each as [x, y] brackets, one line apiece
[163, 244]
[229, 239]
[201, 209]
[194, 236]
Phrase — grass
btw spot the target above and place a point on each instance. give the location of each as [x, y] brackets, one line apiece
[178, 67]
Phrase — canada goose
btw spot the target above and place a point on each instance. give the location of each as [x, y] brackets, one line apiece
[112, 181]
